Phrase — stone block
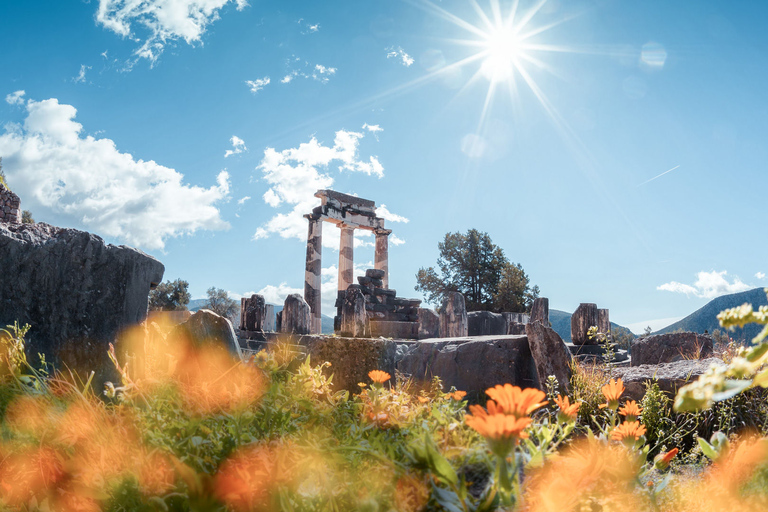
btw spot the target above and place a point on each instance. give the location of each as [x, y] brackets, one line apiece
[296, 315]
[453, 316]
[540, 311]
[375, 273]
[429, 323]
[582, 319]
[667, 348]
[204, 328]
[670, 376]
[353, 316]
[485, 323]
[396, 330]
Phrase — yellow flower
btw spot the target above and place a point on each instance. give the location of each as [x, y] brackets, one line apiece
[628, 431]
[568, 411]
[378, 376]
[515, 401]
[612, 392]
[630, 410]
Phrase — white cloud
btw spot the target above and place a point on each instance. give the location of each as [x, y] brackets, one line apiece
[243, 200]
[318, 72]
[287, 79]
[396, 52]
[760, 275]
[308, 27]
[294, 175]
[385, 214]
[80, 78]
[708, 285]
[395, 240]
[160, 21]
[375, 129]
[277, 294]
[238, 146]
[258, 84]
[15, 98]
[87, 180]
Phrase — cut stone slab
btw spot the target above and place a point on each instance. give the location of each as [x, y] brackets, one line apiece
[453, 316]
[471, 364]
[207, 328]
[666, 348]
[582, 319]
[75, 291]
[550, 355]
[671, 376]
[396, 330]
[486, 323]
[429, 323]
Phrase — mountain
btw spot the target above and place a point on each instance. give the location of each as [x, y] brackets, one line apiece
[706, 317]
[561, 323]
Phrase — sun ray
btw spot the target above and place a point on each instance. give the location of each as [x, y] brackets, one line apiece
[452, 18]
[488, 23]
[530, 14]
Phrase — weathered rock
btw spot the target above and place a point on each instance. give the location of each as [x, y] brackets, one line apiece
[486, 323]
[76, 292]
[603, 321]
[394, 329]
[666, 348]
[296, 315]
[453, 316]
[429, 323]
[206, 328]
[582, 319]
[351, 358]
[253, 313]
[471, 364]
[516, 329]
[540, 311]
[375, 273]
[354, 319]
[269, 318]
[550, 354]
[670, 376]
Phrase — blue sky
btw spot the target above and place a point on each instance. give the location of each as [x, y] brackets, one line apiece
[197, 130]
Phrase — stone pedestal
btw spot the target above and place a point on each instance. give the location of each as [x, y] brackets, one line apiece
[540, 311]
[453, 316]
[429, 324]
[353, 315]
[603, 321]
[296, 315]
[582, 319]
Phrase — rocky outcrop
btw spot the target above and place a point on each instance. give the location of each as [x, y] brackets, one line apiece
[670, 376]
[471, 364]
[77, 292]
[453, 316]
[666, 348]
[207, 328]
[550, 355]
[486, 323]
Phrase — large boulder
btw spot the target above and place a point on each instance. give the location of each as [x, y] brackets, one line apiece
[550, 354]
[485, 323]
[670, 376]
[453, 316]
[206, 328]
[666, 348]
[77, 292]
[429, 323]
[471, 364]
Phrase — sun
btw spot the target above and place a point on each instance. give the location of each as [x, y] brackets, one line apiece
[504, 50]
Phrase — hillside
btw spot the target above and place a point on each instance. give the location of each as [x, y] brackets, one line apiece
[561, 323]
[706, 317]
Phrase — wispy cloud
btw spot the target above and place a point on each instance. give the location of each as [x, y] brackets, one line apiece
[308, 28]
[659, 176]
[316, 72]
[760, 275]
[708, 285]
[396, 52]
[375, 129]
[80, 78]
[258, 84]
[238, 146]
[15, 98]
[243, 200]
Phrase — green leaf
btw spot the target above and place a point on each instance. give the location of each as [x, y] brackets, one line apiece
[438, 464]
[707, 449]
[447, 499]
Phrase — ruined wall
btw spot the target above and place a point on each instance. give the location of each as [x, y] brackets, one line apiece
[10, 206]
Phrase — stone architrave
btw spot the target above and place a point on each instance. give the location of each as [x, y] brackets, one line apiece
[75, 291]
[254, 312]
[453, 316]
[269, 318]
[353, 315]
[582, 319]
[296, 315]
[667, 348]
[603, 321]
[540, 311]
[429, 323]
[550, 354]
[205, 327]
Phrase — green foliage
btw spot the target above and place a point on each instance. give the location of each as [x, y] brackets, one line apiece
[656, 412]
[26, 217]
[474, 266]
[170, 296]
[2, 175]
[220, 303]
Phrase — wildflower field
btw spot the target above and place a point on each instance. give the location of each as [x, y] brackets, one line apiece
[199, 431]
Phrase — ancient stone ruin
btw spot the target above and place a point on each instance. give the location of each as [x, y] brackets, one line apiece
[10, 206]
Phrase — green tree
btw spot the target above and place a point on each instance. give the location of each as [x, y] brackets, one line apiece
[26, 217]
[220, 303]
[170, 296]
[2, 174]
[474, 266]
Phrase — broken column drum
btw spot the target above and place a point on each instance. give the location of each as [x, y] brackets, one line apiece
[348, 213]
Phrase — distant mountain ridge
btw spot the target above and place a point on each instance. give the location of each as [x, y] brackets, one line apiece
[705, 318]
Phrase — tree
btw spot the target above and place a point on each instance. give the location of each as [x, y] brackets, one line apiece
[26, 217]
[220, 303]
[2, 174]
[170, 296]
[474, 266]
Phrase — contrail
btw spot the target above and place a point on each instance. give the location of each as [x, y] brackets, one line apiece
[659, 176]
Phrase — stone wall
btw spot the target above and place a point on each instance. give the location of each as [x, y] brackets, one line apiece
[10, 206]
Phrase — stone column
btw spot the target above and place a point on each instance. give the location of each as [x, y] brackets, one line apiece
[346, 256]
[312, 281]
[603, 321]
[381, 257]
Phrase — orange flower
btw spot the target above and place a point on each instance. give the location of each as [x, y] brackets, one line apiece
[500, 430]
[423, 399]
[631, 410]
[458, 395]
[568, 411]
[515, 401]
[612, 392]
[663, 459]
[628, 431]
[379, 377]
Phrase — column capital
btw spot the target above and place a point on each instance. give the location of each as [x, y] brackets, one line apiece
[312, 217]
[382, 231]
[344, 226]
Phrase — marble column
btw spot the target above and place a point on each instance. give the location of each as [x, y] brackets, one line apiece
[312, 282]
[381, 256]
[346, 256]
